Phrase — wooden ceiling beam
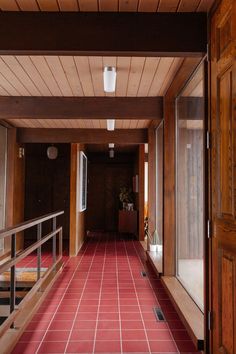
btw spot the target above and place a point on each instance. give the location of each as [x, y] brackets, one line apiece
[86, 136]
[107, 34]
[81, 107]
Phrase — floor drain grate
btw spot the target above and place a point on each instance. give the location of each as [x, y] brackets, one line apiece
[159, 314]
[144, 274]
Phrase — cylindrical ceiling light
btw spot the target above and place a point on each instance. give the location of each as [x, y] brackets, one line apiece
[111, 153]
[110, 124]
[109, 79]
[111, 145]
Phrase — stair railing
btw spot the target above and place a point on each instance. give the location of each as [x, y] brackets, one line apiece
[18, 256]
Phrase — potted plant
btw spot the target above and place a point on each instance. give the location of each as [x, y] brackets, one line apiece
[126, 198]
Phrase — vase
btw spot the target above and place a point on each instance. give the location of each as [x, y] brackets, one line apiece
[153, 248]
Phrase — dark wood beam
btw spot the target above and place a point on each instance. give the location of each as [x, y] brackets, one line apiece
[86, 136]
[81, 107]
[126, 34]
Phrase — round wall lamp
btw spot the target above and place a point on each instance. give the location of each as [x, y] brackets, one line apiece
[52, 152]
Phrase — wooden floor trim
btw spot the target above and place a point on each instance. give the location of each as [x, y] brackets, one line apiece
[188, 311]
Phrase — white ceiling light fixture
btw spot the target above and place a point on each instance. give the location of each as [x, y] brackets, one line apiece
[111, 145]
[109, 78]
[111, 153]
[52, 152]
[110, 124]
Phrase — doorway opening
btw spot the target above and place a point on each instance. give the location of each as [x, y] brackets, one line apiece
[47, 187]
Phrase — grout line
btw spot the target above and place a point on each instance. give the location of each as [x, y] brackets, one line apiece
[99, 300]
[66, 288]
[147, 340]
[118, 297]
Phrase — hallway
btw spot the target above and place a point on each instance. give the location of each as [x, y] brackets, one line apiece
[101, 303]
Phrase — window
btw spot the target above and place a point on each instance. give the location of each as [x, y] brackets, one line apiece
[190, 186]
[3, 161]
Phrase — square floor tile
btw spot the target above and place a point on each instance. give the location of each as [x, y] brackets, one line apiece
[135, 347]
[80, 347]
[107, 347]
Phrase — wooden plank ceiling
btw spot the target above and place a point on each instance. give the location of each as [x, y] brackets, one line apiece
[83, 76]
[107, 5]
[67, 76]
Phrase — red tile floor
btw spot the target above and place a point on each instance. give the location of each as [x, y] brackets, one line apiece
[102, 304]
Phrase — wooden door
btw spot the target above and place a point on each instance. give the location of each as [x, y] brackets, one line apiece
[223, 172]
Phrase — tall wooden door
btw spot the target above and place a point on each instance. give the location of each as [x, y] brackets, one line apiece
[223, 172]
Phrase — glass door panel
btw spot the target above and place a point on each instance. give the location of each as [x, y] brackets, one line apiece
[190, 186]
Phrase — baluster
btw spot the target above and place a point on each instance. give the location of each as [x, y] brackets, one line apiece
[54, 240]
[39, 251]
[13, 277]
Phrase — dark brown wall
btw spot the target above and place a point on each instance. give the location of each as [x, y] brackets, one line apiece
[47, 185]
[105, 177]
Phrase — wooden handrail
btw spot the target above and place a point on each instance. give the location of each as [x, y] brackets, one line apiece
[13, 261]
[27, 224]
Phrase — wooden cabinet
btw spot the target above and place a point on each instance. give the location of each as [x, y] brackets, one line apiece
[128, 221]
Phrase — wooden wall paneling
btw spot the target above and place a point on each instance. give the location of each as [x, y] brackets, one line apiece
[141, 191]
[205, 5]
[77, 218]
[14, 187]
[185, 71]
[223, 131]
[73, 202]
[151, 180]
